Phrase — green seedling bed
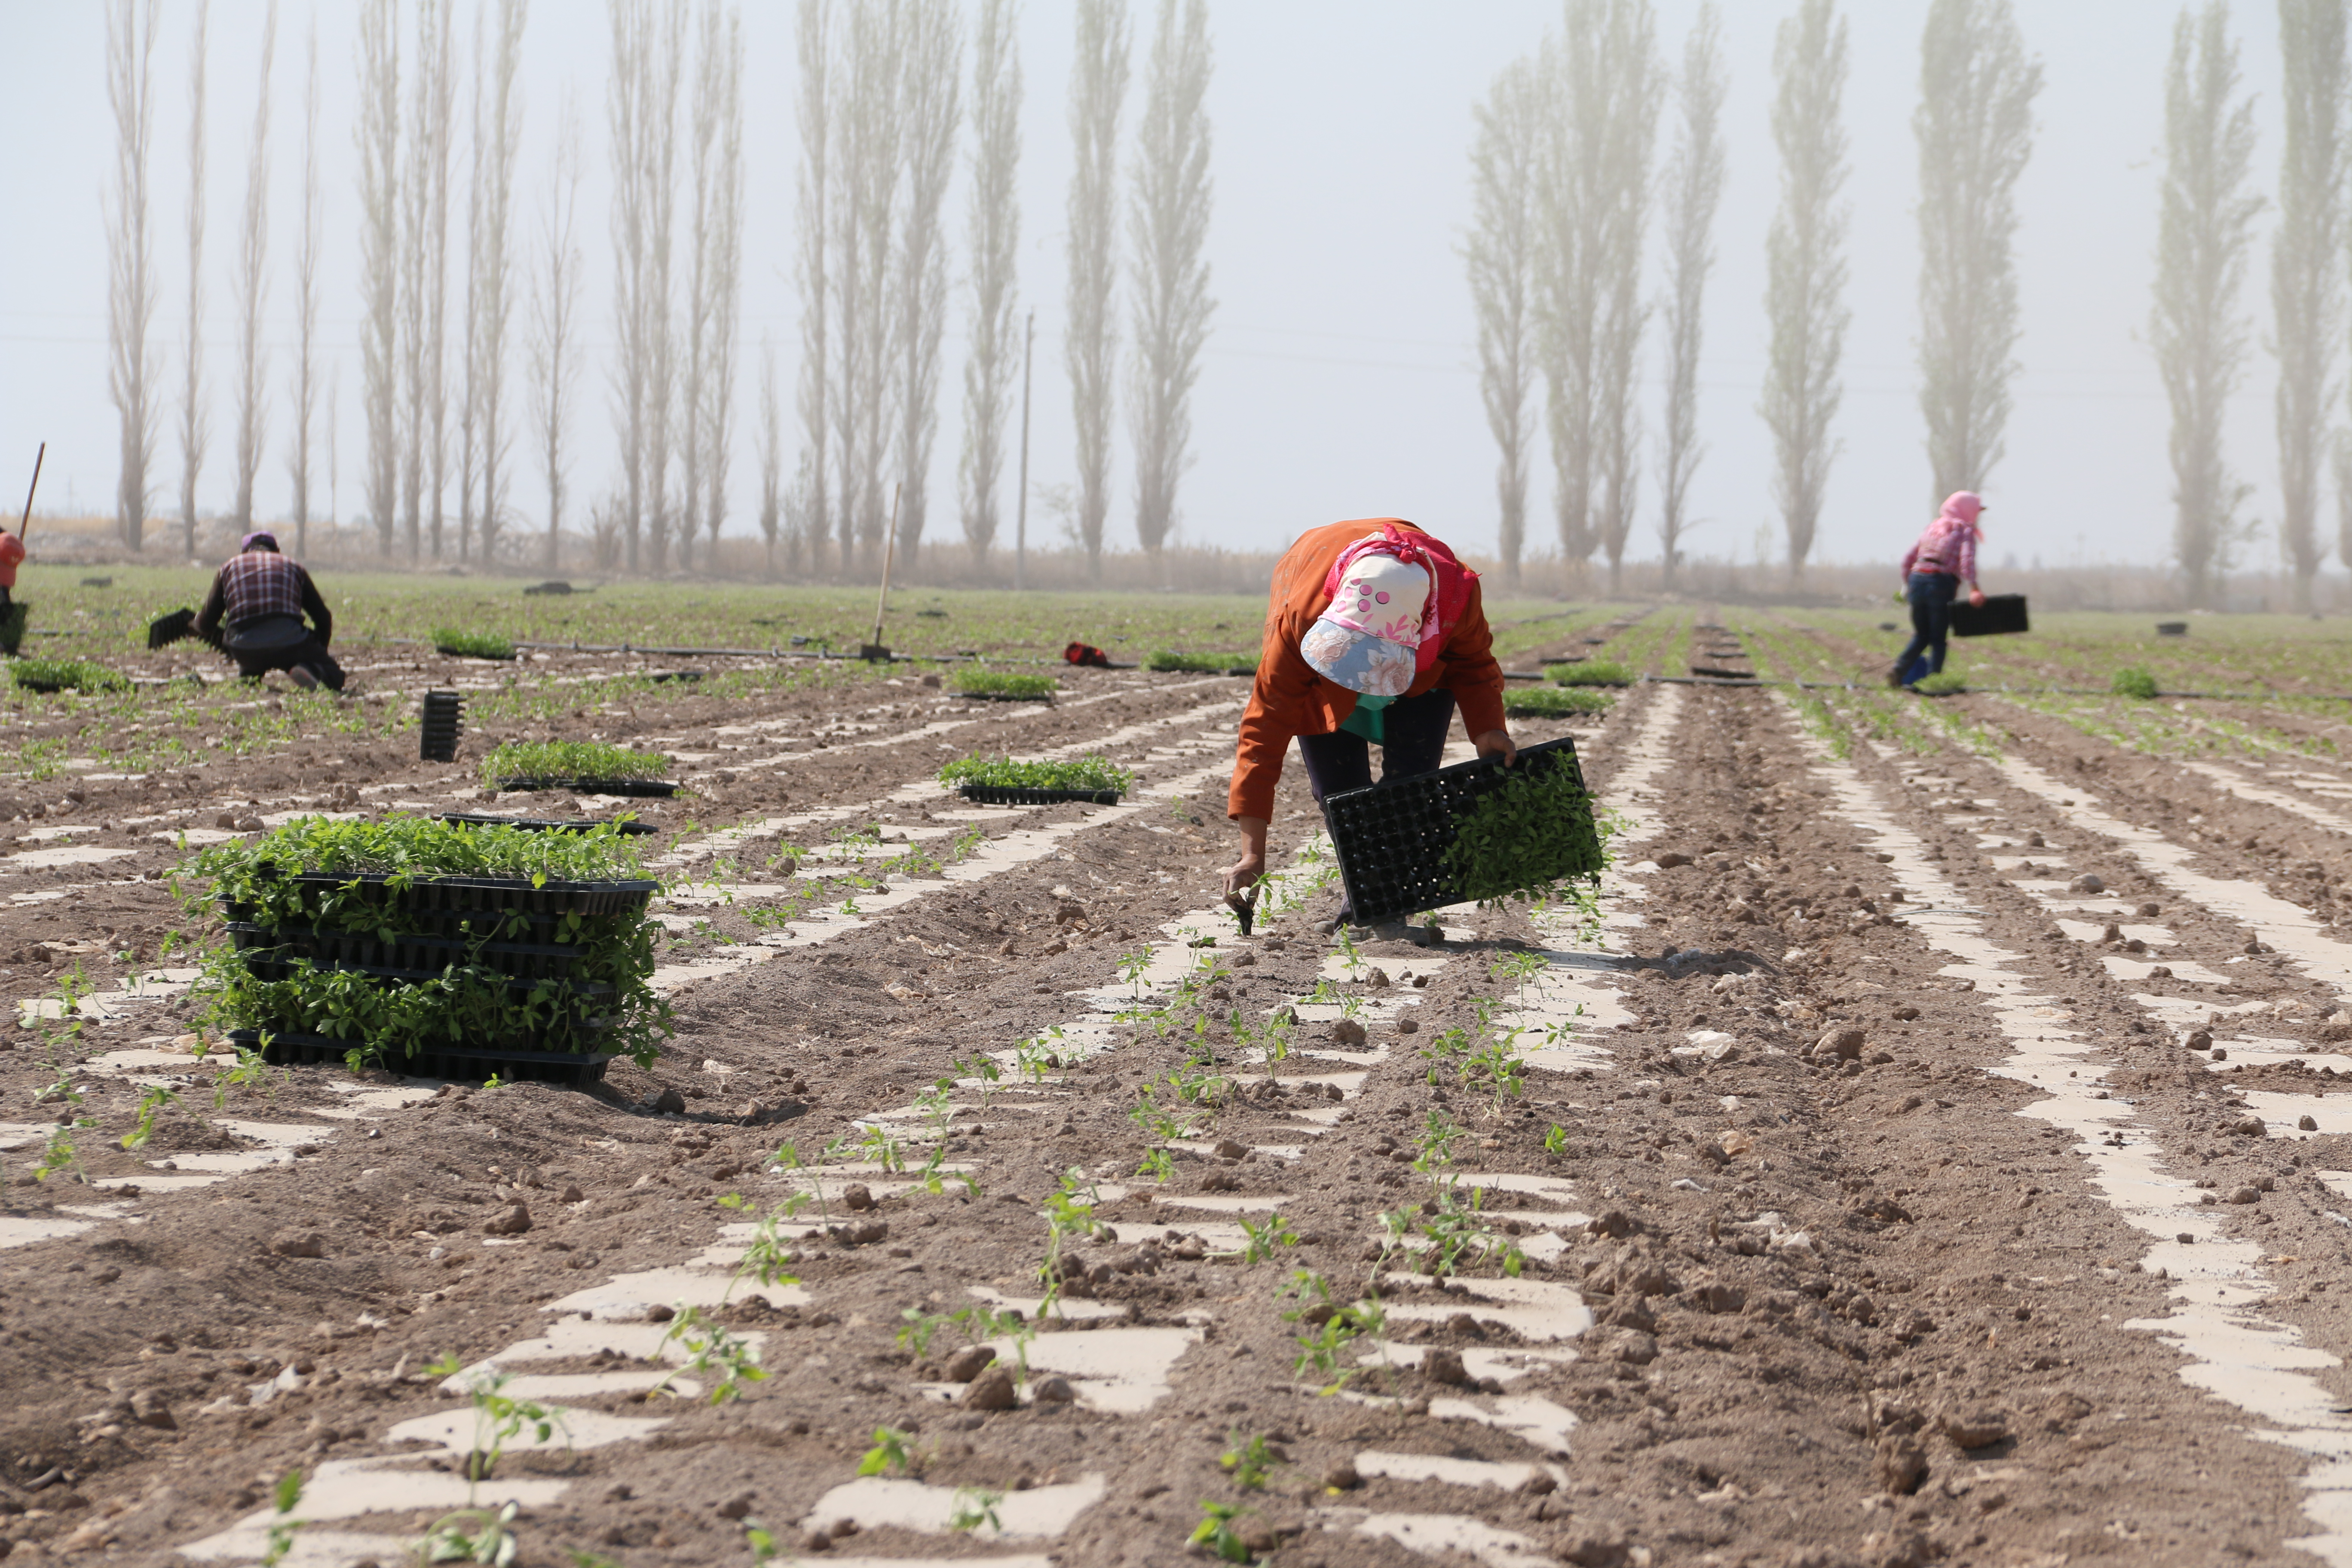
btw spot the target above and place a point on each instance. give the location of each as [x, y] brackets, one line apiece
[464, 930]
[1556, 702]
[544, 824]
[640, 789]
[468, 1063]
[51, 675]
[1006, 794]
[1006, 696]
[456, 644]
[1394, 839]
[481, 894]
[1999, 615]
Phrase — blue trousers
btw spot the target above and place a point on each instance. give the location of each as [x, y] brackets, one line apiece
[1931, 595]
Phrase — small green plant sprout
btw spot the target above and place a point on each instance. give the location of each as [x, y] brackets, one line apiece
[974, 1506]
[1069, 1212]
[1250, 1460]
[1260, 1239]
[2135, 680]
[710, 1346]
[1133, 967]
[472, 1535]
[150, 1103]
[980, 1069]
[1349, 954]
[918, 1328]
[1327, 1329]
[1437, 1137]
[1556, 1140]
[889, 1455]
[761, 1541]
[787, 1157]
[1517, 968]
[881, 1147]
[283, 1498]
[1216, 1532]
[1157, 1164]
[1031, 1057]
[1943, 683]
[498, 1419]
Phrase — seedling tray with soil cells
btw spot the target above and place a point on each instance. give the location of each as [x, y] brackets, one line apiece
[1474, 831]
[444, 1061]
[547, 824]
[584, 767]
[999, 781]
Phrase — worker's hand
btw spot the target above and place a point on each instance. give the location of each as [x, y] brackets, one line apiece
[1245, 871]
[1976, 597]
[1496, 743]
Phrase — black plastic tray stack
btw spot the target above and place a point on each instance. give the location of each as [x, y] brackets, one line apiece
[1008, 795]
[410, 935]
[1391, 837]
[2000, 614]
[544, 824]
[443, 723]
[649, 789]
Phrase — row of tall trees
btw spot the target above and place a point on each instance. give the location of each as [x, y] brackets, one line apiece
[1562, 190]
[882, 108]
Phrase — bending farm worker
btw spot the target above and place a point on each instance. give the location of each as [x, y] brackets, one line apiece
[256, 610]
[1375, 635]
[1944, 557]
[12, 556]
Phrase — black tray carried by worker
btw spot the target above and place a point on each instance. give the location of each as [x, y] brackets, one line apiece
[1391, 838]
[2000, 614]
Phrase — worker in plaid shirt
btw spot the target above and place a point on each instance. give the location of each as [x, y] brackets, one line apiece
[255, 612]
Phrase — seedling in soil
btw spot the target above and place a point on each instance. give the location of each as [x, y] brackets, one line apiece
[1132, 967]
[1069, 1212]
[1436, 1144]
[888, 1454]
[1031, 1059]
[710, 1346]
[1455, 1231]
[759, 1539]
[1157, 1165]
[1260, 1240]
[1327, 1329]
[150, 1103]
[1349, 954]
[1215, 1532]
[767, 1258]
[1556, 1140]
[472, 1535]
[1518, 968]
[1250, 1460]
[973, 1506]
[981, 1068]
[497, 1421]
[2135, 680]
[282, 1526]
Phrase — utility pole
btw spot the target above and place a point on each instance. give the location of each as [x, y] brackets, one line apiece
[1021, 525]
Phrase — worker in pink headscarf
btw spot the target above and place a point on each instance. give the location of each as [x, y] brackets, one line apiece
[1944, 557]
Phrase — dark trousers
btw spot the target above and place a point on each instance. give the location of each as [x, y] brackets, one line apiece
[309, 653]
[1931, 595]
[1415, 729]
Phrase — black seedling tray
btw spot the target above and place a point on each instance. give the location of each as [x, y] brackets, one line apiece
[1007, 795]
[272, 963]
[540, 823]
[641, 788]
[2000, 613]
[1391, 837]
[1005, 696]
[441, 728]
[447, 652]
[490, 895]
[405, 955]
[472, 1063]
[469, 928]
[165, 630]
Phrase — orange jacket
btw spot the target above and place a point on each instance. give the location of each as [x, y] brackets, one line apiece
[12, 550]
[1292, 699]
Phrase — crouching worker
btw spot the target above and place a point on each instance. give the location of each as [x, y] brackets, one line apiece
[1375, 636]
[254, 615]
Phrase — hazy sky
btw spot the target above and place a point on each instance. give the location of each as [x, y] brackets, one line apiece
[1339, 380]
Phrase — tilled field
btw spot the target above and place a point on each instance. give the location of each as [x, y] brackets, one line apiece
[1933, 1159]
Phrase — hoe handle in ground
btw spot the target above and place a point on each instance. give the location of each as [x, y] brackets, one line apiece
[24, 524]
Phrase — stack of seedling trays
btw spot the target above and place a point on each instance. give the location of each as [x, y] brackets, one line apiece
[444, 722]
[584, 767]
[453, 976]
[646, 789]
[544, 824]
[1474, 831]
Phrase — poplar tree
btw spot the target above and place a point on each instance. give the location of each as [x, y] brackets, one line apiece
[2306, 276]
[1098, 91]
[131, 260]
[993, 239]
[1694, 190]
[1168, 229]
[1501, 256]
